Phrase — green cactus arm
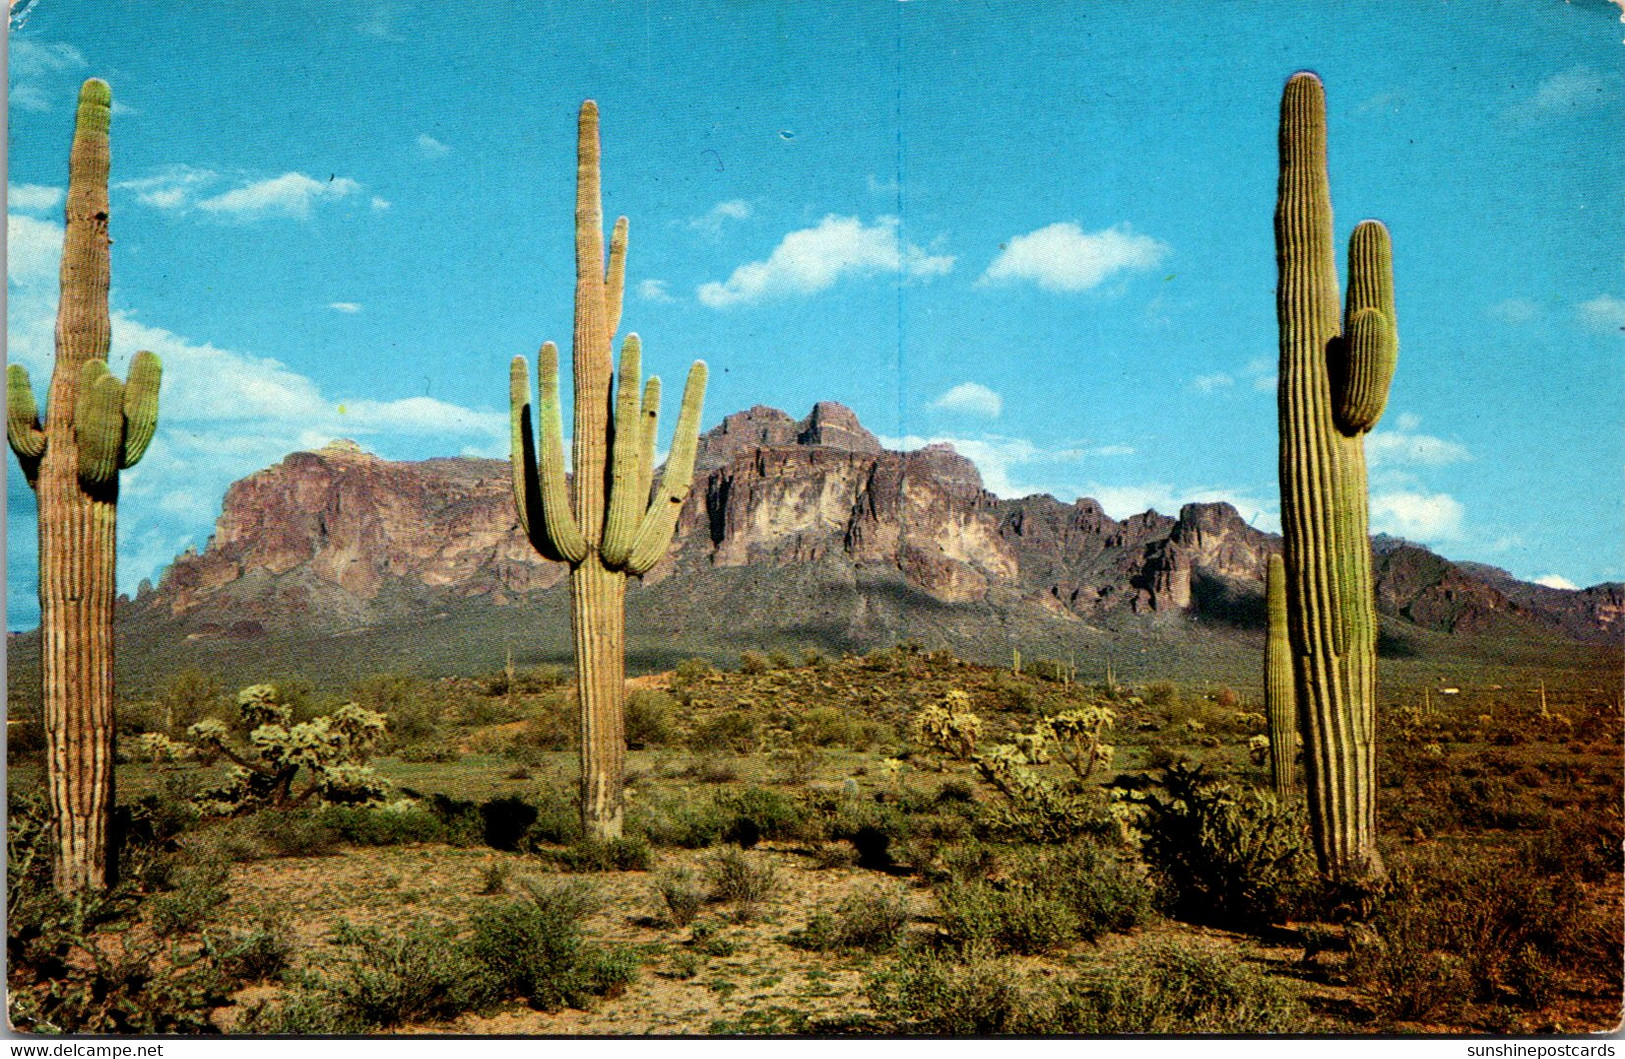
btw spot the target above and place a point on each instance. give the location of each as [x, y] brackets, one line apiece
[98, 422]
[141, 406]
[1371, 352]
[651, 431]
[527, 489]
[615, 277]
[626, 504]
[654, 536]
[591, 356]
[23, 427]
[562, 529]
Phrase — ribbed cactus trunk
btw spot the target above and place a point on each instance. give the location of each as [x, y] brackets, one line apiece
[95, 426]
[1334, 381]
[609, 527]
[1280, 700]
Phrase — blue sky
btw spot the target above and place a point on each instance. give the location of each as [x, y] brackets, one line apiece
[1041, 231]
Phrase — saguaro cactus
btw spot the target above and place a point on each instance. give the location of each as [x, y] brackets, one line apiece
[610, 527]
[1280, 702]
[1333, 386]
[96, 425]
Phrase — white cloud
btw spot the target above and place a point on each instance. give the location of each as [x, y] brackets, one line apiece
[1209, 383]
[1604, 312]
[32, 198]
[1514, 310]
[33, 249]
[380, 203]
[34, 65]
[1405, 446]
[1121, 501]
[175, 187]
[811, 260]
[1016, 467]
[290, 195]
[1418, 516]
[429, 147]
[972, 398]
[344, 307]
[712, 220]
[654, 290]
[1579, 87]
[1063, 257]
[1556, 581]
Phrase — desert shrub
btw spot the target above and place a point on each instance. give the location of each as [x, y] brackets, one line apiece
[408, 702]
[557, 820]
[461, 819]
[732, 876]
[552, 727]
[649, 718]
[291, 833]
[955, 792]
[734, 729]
[1457, 929]
[1161, 694]
[419, 975]
[535, 950]
[1584, 846]
[494, 879]
[1221, 856]
[397, 824]
[1051, 670]
[505, 821]
[1104, 894]
[261, 954]
[922, 993]
[437, 751]
[686, 822]
[692, 671]
[712, 768]
[605, 854]
[1016, 917]
[872, 921]
[188, 697]
[1170, 989]
[754, 663]
[813, 658]
[760, 812]
[681, 895]
[834, 855]
[198, 889]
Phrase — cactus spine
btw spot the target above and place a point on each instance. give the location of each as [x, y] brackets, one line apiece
[1333, 386]
[610, 527]
[95, 427]
[1280, 702]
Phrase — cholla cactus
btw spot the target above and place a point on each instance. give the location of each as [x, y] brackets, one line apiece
[949, 727]
[331, 751]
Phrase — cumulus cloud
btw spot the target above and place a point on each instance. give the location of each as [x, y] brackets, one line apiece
[1209, 383]
[654, 290]
[1604, 312]
[174, 187]
[429, 147]
[1406, 446]
[380, 203]
[1063, 257]
[1514, 310]
[42, 73]
[289, 195]
[33, 249]
[32, 198]
[712, 220]
[1425, 517]
[811, 260]
[1556, 581]
[972, 398]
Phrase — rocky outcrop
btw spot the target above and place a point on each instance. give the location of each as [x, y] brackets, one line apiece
[339, 538]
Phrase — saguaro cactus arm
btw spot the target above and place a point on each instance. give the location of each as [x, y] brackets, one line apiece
[98, 423]
[626, 504]
[660, 521]
[24, 430]
[1280, 699]
[651, 431]
[141, 406]
[1370, 344]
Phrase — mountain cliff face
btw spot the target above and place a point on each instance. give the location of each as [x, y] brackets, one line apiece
[339, 539]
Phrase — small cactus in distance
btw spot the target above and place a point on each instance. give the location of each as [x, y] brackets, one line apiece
[601, 520]
[1333, 386]
[1280, 701]
[96, 427]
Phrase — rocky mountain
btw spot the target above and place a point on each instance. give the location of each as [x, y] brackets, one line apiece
[808, 524]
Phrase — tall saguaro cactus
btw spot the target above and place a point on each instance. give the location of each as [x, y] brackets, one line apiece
[95, 426]
[1333, 386]
[610, 527]
[1280, 701]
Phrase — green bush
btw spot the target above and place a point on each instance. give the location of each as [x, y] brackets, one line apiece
[758, 813]
[262, 954]
[737, 878]
[1104, 894]
[1221, 856]
[649, 718]
[420, 975]
[608, 854]
[733, 729]
[691, 671]
[199, 889]
[754, 663]
[681, 895]
[684, 821]
[1015, 918]
[534, 950]
[872, 921]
